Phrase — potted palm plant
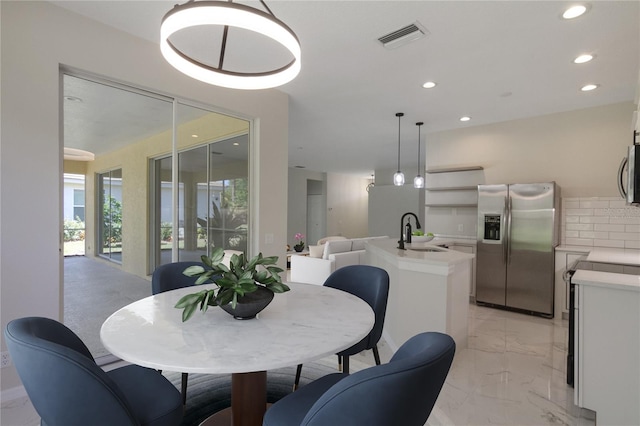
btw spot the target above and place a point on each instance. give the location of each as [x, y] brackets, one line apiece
[243, 288]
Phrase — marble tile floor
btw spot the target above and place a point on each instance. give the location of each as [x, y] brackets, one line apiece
[511, 373]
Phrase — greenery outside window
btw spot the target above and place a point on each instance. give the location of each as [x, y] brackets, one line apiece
[110, 215]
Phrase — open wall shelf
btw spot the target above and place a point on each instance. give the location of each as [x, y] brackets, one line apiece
[453, 187]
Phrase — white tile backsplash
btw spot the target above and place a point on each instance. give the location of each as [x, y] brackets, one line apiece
[599, 222]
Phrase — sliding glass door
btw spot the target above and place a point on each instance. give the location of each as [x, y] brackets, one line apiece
[212, 200]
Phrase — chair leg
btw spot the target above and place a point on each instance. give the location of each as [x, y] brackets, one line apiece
[185, 377]
[297, 379]
[345, 364]
[376, 355]
[339, 363]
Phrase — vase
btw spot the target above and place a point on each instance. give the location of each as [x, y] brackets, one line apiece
[298, 248]
[250, 304]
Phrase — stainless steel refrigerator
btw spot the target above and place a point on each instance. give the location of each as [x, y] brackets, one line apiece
[517, 236]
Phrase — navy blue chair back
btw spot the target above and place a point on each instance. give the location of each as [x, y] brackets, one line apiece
[401, 392]
[170, 277]
[371, 284]
[64, 383]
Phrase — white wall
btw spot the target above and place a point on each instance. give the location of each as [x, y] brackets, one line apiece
[580, 150]
[387, 204]
[37, 37]
[347, 202]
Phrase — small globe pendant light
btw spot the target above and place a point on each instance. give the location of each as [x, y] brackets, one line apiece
[398, 177]
[418, 181]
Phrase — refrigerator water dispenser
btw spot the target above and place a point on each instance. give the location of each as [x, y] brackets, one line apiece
[491, 227]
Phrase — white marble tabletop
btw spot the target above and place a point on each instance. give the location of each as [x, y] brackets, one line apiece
[306, 323]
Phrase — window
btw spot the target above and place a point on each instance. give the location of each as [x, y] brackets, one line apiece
[78, 204]
[110, 215]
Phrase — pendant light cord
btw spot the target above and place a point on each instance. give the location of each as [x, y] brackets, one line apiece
[419, 124]
[399, 115]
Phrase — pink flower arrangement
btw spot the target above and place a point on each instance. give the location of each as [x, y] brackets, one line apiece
[299, 242]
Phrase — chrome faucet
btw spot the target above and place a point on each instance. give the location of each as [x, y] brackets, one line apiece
[418, 226]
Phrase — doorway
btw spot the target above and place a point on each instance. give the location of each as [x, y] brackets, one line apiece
[316, 211]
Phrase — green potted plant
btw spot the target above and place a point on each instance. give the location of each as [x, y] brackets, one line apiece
[243, 289]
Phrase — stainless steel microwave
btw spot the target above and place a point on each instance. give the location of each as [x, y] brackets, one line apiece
[630, 187]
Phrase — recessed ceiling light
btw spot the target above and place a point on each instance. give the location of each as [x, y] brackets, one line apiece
[194, 136]
[574, 11]
[236, 144]
[465, 118]
[589, 87]
[429, 85]
[583, 58]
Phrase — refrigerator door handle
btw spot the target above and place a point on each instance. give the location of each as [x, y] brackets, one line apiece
[620, 178]
[505, 235]
[509, 230]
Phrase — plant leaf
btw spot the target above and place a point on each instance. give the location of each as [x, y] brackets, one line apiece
[188, 312]
[271, 260]
[216, 256]
[193, 270]
[224, 296]
[189, 299]
[274, 269]
[278, 287]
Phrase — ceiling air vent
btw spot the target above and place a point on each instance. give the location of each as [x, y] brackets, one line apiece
[404, 35]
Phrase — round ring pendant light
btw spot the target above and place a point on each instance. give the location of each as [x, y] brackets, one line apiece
[227, 14]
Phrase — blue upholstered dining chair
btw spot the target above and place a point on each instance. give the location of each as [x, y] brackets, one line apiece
[401, 392]
[67, 387]
[371, 284]
[170, 277]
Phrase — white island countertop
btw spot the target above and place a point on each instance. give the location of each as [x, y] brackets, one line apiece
[414, 257]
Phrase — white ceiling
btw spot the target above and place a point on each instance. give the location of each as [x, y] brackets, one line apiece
[494, 61]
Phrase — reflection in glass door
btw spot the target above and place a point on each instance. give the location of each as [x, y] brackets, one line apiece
[110, 215]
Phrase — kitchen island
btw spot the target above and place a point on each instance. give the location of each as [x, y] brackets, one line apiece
[429, 289]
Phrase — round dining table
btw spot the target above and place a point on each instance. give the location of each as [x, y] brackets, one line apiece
[304, 324]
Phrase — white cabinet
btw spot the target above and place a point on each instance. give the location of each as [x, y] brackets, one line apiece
[608, 349]
[468, 248]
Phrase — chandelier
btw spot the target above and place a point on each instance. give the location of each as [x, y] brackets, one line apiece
[227, 14]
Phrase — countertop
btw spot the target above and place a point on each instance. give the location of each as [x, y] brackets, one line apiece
[617, 256]
[438, 262]
[608, 280]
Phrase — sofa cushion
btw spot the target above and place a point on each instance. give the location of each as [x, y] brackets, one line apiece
[358, 243]
[316, 251]
[321, 241]
[336, 246]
